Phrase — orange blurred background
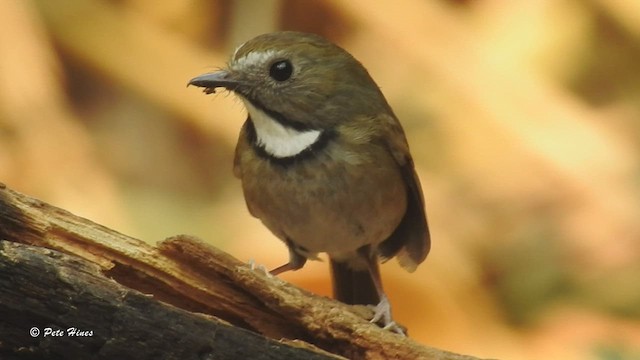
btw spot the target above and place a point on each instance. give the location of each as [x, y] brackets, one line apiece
[523, 119]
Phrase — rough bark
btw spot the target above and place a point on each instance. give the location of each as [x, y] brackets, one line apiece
[181, 299]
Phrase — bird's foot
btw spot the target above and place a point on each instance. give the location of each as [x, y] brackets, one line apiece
[259, 268]
[382, 315]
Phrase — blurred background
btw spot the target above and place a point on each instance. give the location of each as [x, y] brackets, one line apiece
[523, 118]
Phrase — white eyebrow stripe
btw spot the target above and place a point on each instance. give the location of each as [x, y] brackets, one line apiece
[235, 52]
[253, 58]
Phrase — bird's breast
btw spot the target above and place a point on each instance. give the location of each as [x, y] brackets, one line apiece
[336, 200]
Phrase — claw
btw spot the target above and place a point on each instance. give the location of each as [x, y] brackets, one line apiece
[382, 313]
[259, 268]
[394, 327]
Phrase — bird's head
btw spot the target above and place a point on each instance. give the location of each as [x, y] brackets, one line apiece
[301, 80]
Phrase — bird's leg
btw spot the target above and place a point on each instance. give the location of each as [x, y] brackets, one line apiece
[296, 261]
[382, 311]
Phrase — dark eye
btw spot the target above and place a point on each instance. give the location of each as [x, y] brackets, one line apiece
[281, 70]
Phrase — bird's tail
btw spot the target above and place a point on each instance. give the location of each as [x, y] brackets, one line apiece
[353, 286]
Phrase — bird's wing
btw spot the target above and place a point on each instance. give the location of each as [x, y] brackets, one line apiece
[410, 242]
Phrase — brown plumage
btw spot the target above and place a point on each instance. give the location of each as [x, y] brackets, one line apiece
[324, 162]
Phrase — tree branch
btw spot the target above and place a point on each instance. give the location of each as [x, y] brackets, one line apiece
[166, 300]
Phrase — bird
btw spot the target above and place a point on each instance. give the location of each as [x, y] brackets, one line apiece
[324, 162]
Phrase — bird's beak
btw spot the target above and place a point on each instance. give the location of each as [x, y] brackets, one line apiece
[211, 81]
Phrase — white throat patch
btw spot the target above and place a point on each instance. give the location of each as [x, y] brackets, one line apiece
[276, 139]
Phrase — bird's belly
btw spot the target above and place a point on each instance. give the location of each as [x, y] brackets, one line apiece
[327, 207]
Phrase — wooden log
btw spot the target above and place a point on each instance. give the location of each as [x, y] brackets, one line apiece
[67, 308]
[180, 299]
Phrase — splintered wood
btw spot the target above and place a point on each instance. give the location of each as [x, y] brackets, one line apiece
[120, 289]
